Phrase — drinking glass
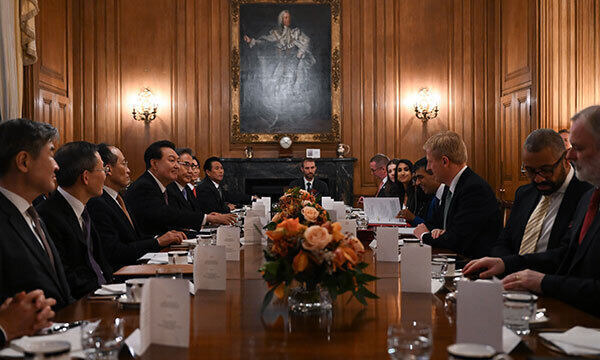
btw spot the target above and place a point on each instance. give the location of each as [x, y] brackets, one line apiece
[409, 340]
[519, 308]
[102, 340]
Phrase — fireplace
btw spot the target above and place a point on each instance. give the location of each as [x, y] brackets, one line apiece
[271, 177]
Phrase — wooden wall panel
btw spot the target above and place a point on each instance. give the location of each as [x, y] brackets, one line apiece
[388, 54]
[569, 50]
[516, 124]
[518, 26]
[48, 83]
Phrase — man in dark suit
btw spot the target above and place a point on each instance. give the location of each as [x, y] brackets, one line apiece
[542, 210]
[570, 272]
[80, 177]
[431, 187]
[470, 213]
[309, 182]
[211, 194]
[378, 166]
[180, 195]
[149, 201]
[113, 220]
[24, 314]
[28, 258]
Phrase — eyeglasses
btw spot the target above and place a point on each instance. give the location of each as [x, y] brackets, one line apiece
[106, 169]
[125, 163]
[186, 164]
[544, 171]
[377, 169]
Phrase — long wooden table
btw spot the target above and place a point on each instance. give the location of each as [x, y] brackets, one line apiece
[228, 324]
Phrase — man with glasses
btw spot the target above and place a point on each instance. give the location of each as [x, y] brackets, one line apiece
[113, 220]
[182, 197]
[569, 273]
[378, 164]
[80, 177]
[543, 209]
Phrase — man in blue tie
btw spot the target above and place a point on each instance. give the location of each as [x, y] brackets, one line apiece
[430, 186]
[181, 197]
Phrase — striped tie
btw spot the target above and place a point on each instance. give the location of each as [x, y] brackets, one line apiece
[534, 226]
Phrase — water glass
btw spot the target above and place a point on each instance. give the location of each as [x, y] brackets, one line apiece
[409, 340]
[519, 308]
[102, 340]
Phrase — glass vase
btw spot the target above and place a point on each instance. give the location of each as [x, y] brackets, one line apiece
[309, 299]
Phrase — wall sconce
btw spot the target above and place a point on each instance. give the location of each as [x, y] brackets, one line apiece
[144, 108]
[426, 105]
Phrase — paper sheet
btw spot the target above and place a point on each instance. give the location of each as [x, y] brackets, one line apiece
[210, 268]
[383, 211]
[229, 237]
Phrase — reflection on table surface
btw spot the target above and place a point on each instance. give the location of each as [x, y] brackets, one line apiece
[228, 324]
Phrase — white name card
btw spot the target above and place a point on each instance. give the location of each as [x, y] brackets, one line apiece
[253, 230]
[266, 201]
[210, 268]
[254, 213]
[229, 237]
[348, 226]
[327, 202]
[340, 210]
[387, 244]
[165, 313]
[479, 309]
[415, 268]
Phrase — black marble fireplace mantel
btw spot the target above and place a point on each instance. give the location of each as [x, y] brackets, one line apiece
[270, 176]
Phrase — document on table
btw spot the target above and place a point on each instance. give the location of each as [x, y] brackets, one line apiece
[383, 211]
[165, 313]
[210, 268]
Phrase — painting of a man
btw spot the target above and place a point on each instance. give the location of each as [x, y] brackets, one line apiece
[285, 68]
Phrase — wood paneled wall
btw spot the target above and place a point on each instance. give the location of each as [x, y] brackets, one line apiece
[180, 50]
[569, 59]
[49, 82]
[488, 61]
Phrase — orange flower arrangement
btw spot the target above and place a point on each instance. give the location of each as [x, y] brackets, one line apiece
[304, 246]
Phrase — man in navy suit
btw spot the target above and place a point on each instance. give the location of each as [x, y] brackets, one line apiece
[470, 215]
[27, 169]
[570, 272]
[180, 194]
[113, 220]
[431, 187]
[80, 177]
[543, 209]
[211, 193]
[149, 201]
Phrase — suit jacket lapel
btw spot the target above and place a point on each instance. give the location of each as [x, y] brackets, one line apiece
[28, 237]
[461, 181]
[112, 203]
[587, 240]
[70, 217]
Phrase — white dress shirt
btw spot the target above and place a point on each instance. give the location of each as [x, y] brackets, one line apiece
[312, 183]
[22, 205]
[160, 185]
[555, 201]
[112, 193]
[456, 178]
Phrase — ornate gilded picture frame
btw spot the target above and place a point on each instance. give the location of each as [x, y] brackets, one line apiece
[285, 70]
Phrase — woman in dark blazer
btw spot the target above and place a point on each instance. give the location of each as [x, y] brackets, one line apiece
[410, 195]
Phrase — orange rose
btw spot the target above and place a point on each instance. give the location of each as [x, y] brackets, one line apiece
[336, 231]
[292, 226]
[316, 238]
[310, 213]
[280, 291]
[276, 234]
[300, 262]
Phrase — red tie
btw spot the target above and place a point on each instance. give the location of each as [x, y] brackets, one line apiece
[590, 214]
